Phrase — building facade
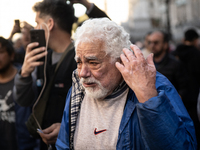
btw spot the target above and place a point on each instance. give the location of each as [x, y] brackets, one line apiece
[173, 16]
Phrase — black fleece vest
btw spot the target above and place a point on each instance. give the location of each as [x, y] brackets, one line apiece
[61, 84]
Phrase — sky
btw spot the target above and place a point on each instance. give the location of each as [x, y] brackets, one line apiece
[22, 10]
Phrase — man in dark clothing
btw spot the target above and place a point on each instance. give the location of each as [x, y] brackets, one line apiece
[189, 55]
[9, 110]
[7, 105]
[167, 64]
[56, 18]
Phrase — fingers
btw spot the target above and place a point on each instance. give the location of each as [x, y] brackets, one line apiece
[31, 46]
[138, 53]
[150, 59]
[126, 58]
[31, 57]
[119, 66]
[128, 54]
[48, 138]
[54, 127]
[50, 134]
[34, 54]
[132, 55]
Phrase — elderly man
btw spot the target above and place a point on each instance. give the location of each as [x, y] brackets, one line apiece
[118, 100]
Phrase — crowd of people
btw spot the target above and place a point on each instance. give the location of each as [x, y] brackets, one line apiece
[95, 89]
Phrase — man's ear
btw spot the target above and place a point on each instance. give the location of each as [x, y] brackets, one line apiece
[50, 23]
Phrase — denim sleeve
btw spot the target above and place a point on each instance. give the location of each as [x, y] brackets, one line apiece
[165, 123]
[62, 142]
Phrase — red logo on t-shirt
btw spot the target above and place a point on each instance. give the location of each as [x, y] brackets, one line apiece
[97, 132]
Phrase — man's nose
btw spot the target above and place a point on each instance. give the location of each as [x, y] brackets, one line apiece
[84, 71]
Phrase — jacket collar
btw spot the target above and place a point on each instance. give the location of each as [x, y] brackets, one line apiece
[128, 110]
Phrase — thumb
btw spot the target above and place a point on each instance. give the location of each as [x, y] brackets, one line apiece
[150, 59]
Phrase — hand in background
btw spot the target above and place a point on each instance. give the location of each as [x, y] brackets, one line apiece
[50, 134]
[16, 29]
[31, 57]
[25, 24]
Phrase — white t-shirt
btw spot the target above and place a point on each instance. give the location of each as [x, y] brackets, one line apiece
[98, 123]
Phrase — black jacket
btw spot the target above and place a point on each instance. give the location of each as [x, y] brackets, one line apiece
[190, 57]
[62, 83]
[170, 67]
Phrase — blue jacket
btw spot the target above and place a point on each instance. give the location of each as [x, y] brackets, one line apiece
[162, 122]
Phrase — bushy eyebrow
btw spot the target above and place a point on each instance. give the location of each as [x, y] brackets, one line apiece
[88, 58]
[91, 58]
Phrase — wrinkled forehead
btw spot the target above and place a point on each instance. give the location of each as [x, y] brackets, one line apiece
[90, 47]
[90, 50]
[85, 38]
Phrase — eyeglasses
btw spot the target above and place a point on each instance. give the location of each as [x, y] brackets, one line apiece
[153, 42]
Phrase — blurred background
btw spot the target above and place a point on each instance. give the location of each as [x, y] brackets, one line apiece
[136, 16]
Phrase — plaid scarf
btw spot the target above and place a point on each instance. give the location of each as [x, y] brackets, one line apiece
[77, 96]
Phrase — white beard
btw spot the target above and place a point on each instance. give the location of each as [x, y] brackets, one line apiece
[97, 92]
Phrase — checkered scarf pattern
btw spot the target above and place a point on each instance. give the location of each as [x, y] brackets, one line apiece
[76, 99]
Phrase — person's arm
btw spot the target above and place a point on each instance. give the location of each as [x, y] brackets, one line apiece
[23, 92]
[161, 113]
[166, 125]
[95, 12]
[91, 9]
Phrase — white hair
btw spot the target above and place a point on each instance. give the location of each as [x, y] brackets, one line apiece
[114, 36]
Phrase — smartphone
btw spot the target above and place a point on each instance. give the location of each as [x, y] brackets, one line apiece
[38, 35]
[39, 130]
[17, 22]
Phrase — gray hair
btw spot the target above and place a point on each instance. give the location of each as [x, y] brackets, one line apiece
[114, 36]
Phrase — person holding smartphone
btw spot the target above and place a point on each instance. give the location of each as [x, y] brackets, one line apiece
[60, 64]
[29, 80]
